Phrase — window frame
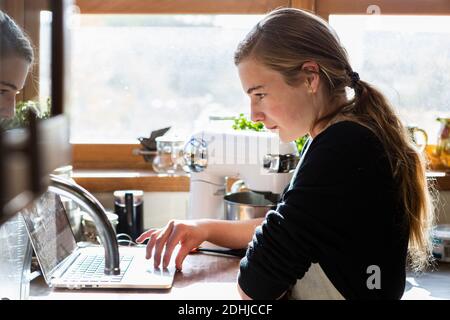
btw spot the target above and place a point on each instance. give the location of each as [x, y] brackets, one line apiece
[113, 156]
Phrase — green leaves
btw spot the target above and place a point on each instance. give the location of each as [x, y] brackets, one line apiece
[242, 123]
[300, 142]
[23, 108]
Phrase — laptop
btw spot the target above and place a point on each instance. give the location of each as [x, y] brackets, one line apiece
[64, 264]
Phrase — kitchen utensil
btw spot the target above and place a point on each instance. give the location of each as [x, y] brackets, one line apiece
[240, 253]
[246, 205]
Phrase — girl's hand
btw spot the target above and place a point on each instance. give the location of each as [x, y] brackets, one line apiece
[190, 234]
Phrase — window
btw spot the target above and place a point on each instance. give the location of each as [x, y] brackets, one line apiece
[132, 74]
[406, 57]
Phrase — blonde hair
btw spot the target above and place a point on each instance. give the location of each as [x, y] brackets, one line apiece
[284, 40]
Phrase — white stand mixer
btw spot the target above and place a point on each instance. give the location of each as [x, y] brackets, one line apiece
[259, 158]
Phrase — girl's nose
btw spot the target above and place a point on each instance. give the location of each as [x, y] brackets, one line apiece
[256, 116]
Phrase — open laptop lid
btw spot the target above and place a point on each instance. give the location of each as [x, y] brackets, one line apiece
[50, 232]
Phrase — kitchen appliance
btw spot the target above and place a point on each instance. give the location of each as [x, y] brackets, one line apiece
[129, 206]
[259, 158]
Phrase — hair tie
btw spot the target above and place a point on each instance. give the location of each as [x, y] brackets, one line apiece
[354, 76]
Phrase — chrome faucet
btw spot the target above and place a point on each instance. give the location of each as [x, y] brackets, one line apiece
[81, 196]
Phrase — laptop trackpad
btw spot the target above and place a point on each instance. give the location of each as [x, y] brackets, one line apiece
[142, 273]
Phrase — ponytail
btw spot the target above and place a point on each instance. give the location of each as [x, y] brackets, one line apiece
[371, 109]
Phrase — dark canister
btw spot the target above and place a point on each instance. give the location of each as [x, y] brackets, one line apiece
[129, 206]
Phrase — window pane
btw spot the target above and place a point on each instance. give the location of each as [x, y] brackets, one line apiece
[136, 73]
[44, 57]
[407, 57]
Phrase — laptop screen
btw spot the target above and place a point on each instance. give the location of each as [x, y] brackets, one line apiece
[50, 232]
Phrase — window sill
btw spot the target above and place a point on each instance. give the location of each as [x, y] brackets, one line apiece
[442, 179]
[149, 181]
[146, 180]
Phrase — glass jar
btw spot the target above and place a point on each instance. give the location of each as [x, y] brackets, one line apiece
[419, 137]
[443, 145]
[169, 158]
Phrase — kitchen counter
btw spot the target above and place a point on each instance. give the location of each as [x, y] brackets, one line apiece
[213, 277]
[431, 285]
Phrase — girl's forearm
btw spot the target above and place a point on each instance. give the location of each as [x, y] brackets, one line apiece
[230, 234]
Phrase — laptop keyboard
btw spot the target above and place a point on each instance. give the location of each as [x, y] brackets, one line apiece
[91, 268]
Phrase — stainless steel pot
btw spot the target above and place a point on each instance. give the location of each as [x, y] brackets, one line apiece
[246, 205]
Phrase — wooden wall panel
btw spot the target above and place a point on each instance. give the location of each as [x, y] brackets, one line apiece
[309, 5]
[180, 6]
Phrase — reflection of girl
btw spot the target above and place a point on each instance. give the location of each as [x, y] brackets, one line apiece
[358, 201]
[16, 57]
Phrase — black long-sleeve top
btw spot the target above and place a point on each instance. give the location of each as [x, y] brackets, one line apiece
[343, 212]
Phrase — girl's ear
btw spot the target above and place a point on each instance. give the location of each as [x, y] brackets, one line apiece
[311, 70]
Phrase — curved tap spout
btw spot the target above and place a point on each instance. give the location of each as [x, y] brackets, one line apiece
[67, 188]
